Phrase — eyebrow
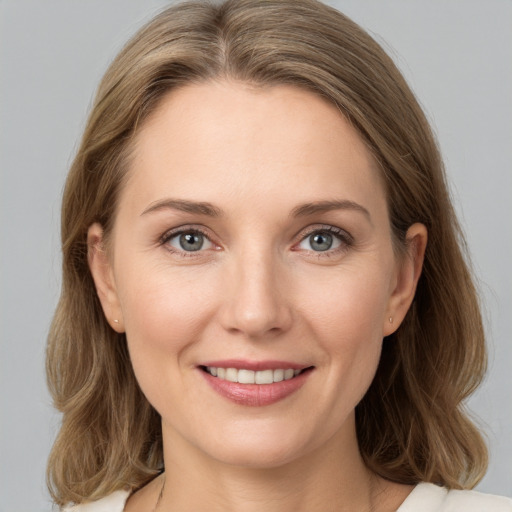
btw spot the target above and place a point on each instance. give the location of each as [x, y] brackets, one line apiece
[208, 209]
[199, 208]
[327, 206]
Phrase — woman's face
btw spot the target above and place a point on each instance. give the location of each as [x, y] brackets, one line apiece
[252, 243]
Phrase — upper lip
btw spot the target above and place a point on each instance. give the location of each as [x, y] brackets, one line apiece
[241, 364]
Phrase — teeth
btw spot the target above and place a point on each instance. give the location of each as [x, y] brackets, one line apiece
[278, 375]
[264, 377]
[251, 377]
[231, 374]
[245, 377]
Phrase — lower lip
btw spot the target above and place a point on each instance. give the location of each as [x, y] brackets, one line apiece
[256, 395]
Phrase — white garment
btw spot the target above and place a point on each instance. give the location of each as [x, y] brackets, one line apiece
[424, 498]
[112, 503]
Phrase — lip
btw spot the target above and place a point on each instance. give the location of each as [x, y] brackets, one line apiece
[241, 364]
[256, 395]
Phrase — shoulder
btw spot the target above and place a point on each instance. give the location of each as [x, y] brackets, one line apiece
[477, 501]
[432, 498]
[112, 503]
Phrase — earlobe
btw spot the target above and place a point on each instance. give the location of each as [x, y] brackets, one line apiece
[101, 270]
[408, 274]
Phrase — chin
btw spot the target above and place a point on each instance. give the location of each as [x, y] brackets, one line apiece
[261, 448]
[258, 456]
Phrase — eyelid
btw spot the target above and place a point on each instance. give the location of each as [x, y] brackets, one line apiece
[329, 228]
[344, 236]
[187, 228]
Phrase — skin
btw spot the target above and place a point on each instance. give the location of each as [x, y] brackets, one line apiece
[258, 290]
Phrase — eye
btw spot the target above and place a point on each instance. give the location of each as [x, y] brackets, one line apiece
[188, 241]
[320, 241]
[328, 239]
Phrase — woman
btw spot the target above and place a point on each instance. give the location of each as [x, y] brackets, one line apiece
[265, 302]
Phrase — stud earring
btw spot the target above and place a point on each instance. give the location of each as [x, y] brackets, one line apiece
[116, 320]
[390, 319]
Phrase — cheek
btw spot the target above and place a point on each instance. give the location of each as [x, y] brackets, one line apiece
[347, 303]
[164, 309]
[165, 312]
[346, 319]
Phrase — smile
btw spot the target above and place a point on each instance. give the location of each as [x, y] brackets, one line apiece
[245, 376]
[257, 386]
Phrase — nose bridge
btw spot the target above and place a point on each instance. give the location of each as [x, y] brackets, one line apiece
[256, 304]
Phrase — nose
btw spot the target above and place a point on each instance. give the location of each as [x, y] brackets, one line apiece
[255, 304]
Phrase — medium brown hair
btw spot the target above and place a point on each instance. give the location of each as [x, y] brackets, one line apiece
[411, 424]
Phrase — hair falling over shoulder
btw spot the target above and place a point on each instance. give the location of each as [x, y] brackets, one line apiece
[411, 424]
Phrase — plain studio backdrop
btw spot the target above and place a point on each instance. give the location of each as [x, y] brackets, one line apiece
[457, 57]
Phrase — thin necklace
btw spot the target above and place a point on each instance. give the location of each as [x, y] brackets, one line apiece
[160, 495]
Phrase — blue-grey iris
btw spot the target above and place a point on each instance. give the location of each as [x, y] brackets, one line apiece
[191, 241]
[321, 241]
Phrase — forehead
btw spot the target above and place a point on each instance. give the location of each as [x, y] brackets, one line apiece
[227, 139]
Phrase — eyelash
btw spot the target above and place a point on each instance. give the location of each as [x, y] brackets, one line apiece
[345, 239]
[173, 233]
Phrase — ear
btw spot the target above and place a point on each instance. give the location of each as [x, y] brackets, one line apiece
[103, 275]
[408, 272]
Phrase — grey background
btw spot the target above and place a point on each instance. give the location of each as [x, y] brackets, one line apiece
[458, 58]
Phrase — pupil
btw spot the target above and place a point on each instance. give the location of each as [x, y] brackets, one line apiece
[321, 241]
[191, 241]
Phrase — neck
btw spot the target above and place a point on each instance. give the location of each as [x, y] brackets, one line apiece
[329, 477]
